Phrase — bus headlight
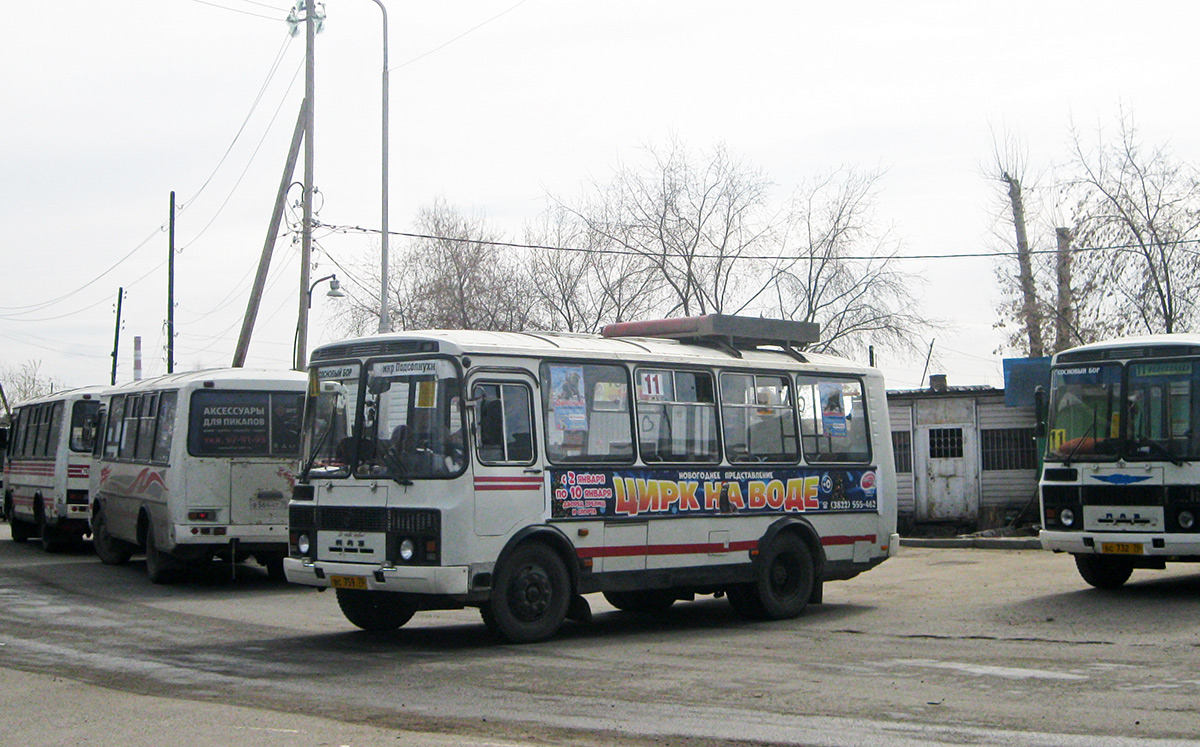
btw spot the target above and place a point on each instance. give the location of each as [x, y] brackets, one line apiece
[407, 549]
[1187, 520]
[1066, 517]
[303, 544]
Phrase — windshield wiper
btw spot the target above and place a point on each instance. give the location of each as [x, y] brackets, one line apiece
[1079, 443]
[320, 444]
[1150, 446]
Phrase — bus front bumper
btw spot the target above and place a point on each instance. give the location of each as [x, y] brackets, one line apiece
[1130, 544]
[408, 579]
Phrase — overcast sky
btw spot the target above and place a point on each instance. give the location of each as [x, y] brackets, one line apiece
[108, 107]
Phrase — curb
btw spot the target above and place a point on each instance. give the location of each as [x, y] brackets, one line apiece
[985, 543]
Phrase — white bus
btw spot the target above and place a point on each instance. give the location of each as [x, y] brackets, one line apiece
[194, 466]
[47, 466]
[515, 472]
[1121, 485]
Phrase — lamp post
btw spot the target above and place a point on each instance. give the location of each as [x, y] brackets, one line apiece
[335, 291]
[385, 324]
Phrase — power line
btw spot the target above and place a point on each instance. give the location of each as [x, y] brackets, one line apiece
[451, 41]
[635, 253]
[243, 12]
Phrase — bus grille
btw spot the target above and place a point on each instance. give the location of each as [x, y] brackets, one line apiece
[354, 519]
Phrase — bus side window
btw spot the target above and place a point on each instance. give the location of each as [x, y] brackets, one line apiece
[165, 428]
[505, 424]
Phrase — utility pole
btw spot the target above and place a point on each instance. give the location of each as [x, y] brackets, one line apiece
[310, 34]
[117, 336]
[170, 297]
[264, 262]
[385, 324]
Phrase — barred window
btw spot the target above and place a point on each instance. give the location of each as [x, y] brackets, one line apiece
[945, 443]
[1009, 448]
[902, 449]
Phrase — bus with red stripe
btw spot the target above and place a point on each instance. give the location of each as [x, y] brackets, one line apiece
[47, 466]
[520, 472]
[196, 466]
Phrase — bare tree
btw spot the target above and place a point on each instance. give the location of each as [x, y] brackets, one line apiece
[696, 221]
[26, 382]
[836, 269]
[458, 275]
[582, 278]
[1138, 214]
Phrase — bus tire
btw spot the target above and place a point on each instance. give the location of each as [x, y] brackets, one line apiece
[109, 549]
[783, 579]
[1104, 572]
[376, 611]
[646, 601]
[161, 568]
[531, 595]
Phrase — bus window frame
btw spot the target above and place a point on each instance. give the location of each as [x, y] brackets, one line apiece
[866, 418]
[543, 378]
[755, 373]
[718, 424]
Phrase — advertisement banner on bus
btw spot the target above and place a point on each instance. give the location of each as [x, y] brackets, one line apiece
[639, 492]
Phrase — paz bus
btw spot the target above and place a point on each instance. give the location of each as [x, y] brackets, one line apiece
[1121, 485]
[515, 472]
[197, 465]
[47, 465]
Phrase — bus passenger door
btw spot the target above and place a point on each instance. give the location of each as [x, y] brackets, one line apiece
[509, 485]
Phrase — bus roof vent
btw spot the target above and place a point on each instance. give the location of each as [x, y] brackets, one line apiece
[723, 330]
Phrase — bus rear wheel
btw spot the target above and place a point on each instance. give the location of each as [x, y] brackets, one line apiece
[376, 611]
[783, 582]
[161, 567]
[531, 595]
[1104, 572]
[109, 549]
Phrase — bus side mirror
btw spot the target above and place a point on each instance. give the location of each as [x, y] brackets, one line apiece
[3, 439]
[1039, 412]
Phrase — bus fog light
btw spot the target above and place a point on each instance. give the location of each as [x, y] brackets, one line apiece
[1187, 520]
[1067, 517]
[303, 544]
[407, 549]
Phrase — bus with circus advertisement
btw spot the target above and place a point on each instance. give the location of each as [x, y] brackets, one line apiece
[195, 466]
[47, 467]
[518, 472]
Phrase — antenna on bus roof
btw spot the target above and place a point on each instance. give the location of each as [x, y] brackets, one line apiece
[731, 333]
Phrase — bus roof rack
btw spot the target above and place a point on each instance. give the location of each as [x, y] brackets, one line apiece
[732, 333]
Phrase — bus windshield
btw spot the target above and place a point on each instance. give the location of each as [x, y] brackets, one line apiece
[408, 425]
[1163, 406]
[1084, 422]
[412, 417]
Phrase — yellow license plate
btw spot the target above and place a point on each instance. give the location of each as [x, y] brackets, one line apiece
[348, 582]
[1121, 548]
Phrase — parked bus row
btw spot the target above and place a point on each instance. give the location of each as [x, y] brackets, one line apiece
[184, 468]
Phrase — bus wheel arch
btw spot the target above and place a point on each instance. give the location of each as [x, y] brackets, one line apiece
[532, 589]
[787, 573]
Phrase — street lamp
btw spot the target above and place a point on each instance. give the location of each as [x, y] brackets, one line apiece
[335, 291]
[384, 322]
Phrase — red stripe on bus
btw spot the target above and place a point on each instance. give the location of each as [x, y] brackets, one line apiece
[847, 540]
[701, 548]
[481, 478]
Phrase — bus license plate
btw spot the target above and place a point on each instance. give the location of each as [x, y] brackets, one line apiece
[1121, 548]
[348, 582]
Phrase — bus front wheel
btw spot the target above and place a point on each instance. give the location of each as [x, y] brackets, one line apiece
[531, 595]
[1104, 572]
[376, 611]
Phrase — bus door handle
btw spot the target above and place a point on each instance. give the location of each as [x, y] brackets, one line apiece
[533, 470]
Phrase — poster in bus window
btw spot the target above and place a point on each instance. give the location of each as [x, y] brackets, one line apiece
[566, 398]
[229, 423]
[833, 410]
